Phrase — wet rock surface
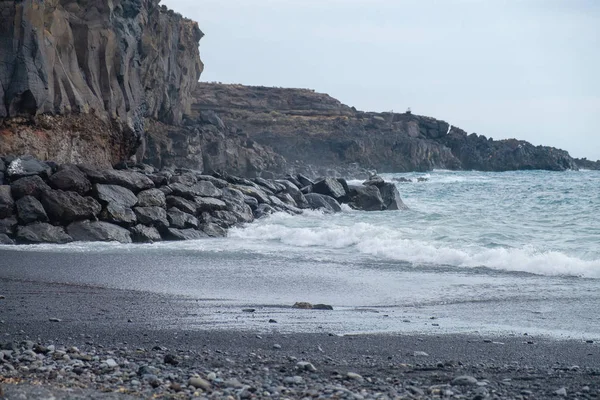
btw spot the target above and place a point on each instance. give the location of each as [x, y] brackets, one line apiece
[134, 204]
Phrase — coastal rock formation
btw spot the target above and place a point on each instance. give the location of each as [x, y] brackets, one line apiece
[107, 65]
[314, 129]
[142, 204]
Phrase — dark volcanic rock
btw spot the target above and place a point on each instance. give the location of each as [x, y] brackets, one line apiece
[29, 209]
[67, 207]
[29, 186]
[322, 202]
[152, 198]
[152, 216]
[87, 231]
[185, 234]
[118, 214]
[179, 219]
[391, 197]
[8, 225]
[209, 204]
[132, 180]
[42, 233]
[115, 194]
[4, 239]
[145, 234]
[7, 203]
[329, 187]
[367, 198]
[70, 178]
[27, 166]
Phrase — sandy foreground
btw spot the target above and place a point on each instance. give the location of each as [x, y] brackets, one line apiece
[71, 341]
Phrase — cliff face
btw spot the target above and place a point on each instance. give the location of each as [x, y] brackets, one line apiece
[314, 128]
[121, 61]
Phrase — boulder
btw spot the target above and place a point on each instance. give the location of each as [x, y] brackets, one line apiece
[209, 204]
[304, 181]
[225, 219]
[132, 180]
[235, 201]
[67, 207]
[179, 219]
[202, 188]
[329, 187]
[252, 202]
[252, 191]
[115, 194]
[145, 234]
[295, 192]
[184, 234]
[70, 178]
[160, 178]
[219, 183]
[152, 216]
[29, 209]
[391, 197]
[263, 210]
[187, 179]
[118, 214]
[213, 230]
[374, 180]
[7, 204]
[97, 231]
[27, 166]
[4, 239]
[8, 225]
[295, 181]
[152, 198]
[269, 185]
[318, 201]
[29, 186]
[1, 178]
[182, 204]
[42, 232]
[366, 198]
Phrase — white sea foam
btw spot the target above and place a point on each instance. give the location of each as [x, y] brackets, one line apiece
[389, 244]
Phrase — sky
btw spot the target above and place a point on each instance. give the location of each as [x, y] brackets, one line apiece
[526, 69]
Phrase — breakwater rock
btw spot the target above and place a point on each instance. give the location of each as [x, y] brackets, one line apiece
[315, 129]
[43, 202]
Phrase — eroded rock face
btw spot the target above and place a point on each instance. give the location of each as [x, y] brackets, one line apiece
[119, 60]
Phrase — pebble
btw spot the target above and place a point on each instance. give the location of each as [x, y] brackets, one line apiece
[199, 383]
[354, 376]
[464, 380]
[277, 346]
[561, 392]
[111, 363]
[420, 354]
[55, 320]
[306, 366]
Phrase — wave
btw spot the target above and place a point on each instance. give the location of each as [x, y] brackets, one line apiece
[391, 244]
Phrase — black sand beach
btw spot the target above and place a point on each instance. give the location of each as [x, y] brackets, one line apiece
[140, 332]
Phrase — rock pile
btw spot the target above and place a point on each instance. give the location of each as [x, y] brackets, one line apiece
[42, 202]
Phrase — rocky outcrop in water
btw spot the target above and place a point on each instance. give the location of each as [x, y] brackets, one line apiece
[81, 78]
[43, 202]
[314, 129]
[584, 163]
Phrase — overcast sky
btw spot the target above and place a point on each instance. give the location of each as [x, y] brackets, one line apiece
[504, 68]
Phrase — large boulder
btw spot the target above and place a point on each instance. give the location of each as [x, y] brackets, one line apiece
[219, 183]
[152, 198]
[118, 214]
[70, 178]
[7, 203]
[213, 230]
[115, 194]
[184, 234]
[366, 198]
[179, 219]
[67, 207]
[202, 188]
[187, 179]
[252, 191]
[132, 180]
[29, 186]
[145, 234]
[391, 197]
[29, 209]
[295, 192]
[329, 187]
[8, 226]
[273, 186]
[209, 204]
[318, 201]
[236, 204]
[182, 204]
[152, 216]
[27, 166]
[42, 232]
[225, 219]
[96, 231]
[4, 239]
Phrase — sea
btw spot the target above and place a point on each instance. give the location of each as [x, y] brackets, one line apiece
[510, 253]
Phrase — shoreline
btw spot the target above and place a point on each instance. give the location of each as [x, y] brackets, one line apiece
[140, 328]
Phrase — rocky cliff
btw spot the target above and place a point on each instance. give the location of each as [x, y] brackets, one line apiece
[313, 128]
[79, 78]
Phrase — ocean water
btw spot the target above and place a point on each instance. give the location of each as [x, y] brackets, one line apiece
[505, 253]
